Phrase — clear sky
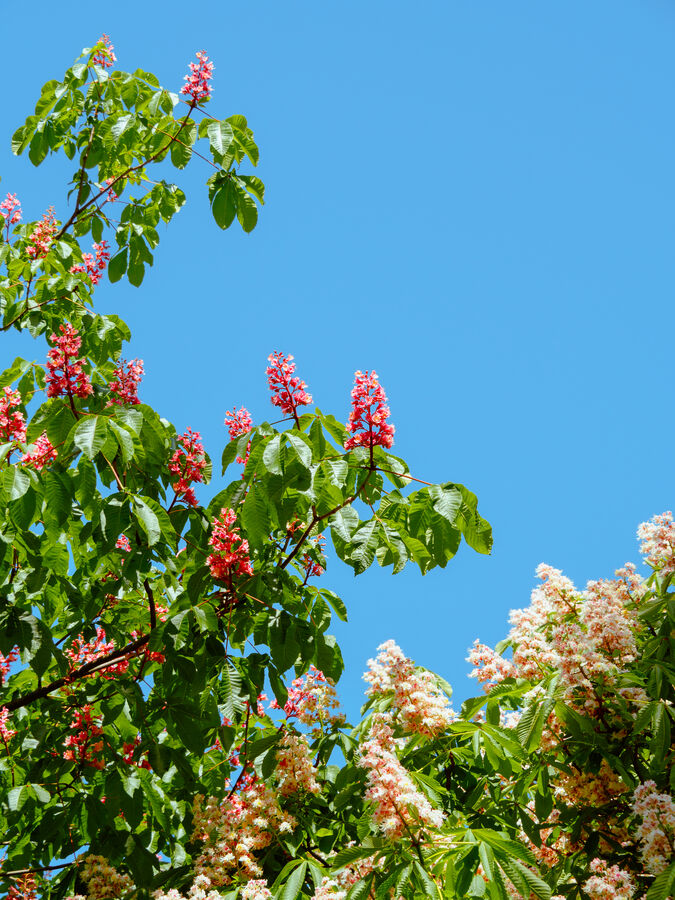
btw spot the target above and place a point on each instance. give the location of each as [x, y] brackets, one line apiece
[474, 199]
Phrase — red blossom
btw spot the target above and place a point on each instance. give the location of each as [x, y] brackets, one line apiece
[12, 422]
[312, 568]
[42, 235]
[129, 751]
[65, 376]
[230, 558]
[10, 210]
[124, 387]
[42, 453]
[85, 744]
[197, 82]
[6, 662]
[94, 264]
[288, 391]
[112, 196]
[239, 423]
[368, 418]
[188, 463]
[81, 652]
[104, 56]
[5, 731]
[24, 889]
[122, 543]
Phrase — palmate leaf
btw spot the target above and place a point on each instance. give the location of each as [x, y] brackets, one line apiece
[295, 880]
[663, 884]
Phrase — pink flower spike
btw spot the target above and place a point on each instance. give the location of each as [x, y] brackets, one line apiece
[104, 56]
[112, 195]
[6, 662]
[197, 82]
[124, 387]
[41, 238]
[93, 264]
[239, 423]
[368, 418]
[5, 731]
[42, 454]
[12, 423]
[288, 391]
[188, 463]
[10, 210]
[230, 558]
[65, 375]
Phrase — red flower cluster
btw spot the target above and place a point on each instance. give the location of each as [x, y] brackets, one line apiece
[368, 418]
[65, 375]
[122, 543]
[313, 569]
[197, 82]
[6, 662]
[42, 235]
[12, 423]
[94, 264]
[81, 652]
[10, 210]
[112, 196]
[289, 391]
[42, 453]
[24, 889]
[128, 376]
[230, 557]
[188, 462]
[239, 423]
[129, 750]
[6, 733]
[86, 743]
[105, 56]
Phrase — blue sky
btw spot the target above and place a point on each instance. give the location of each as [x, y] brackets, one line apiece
[474, 199]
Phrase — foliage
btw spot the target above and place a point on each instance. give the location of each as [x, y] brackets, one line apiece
[152, 741]
[138, 626]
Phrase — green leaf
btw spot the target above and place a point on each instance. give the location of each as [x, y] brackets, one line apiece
[272, 455]
[364, 544]
[57, 488]
[429, 885]
[663, 884]
[301, 449]
[147, 519]
[336, 604]
[17, 796]
[361, 889]
[345, 522]
[90, 434]
[41, 794]
[247, 211]
[220, 136]
[121, 125]
[531, 724]
[224, 205]
[15, 482]
[15, 371]
[256, 515]
[292, 887]
[118, 265]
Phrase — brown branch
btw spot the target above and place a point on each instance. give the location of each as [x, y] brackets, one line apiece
[15, 872]
[316, 519]
[124, 174]
[151, 601]
[38, 306]
[87, 669]
[245, 763]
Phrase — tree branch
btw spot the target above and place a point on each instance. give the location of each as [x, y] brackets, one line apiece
[87, 669]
